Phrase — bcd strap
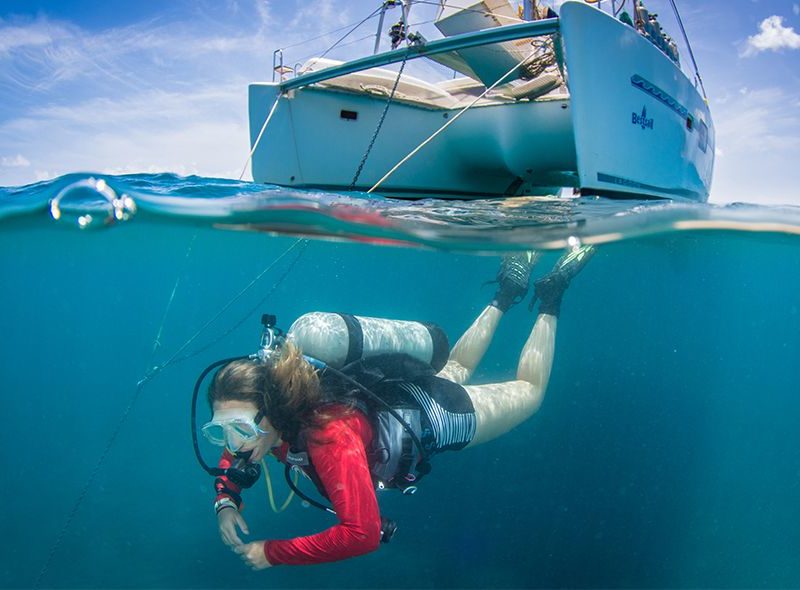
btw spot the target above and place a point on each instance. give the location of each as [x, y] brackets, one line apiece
[355, 342]
[441, 346]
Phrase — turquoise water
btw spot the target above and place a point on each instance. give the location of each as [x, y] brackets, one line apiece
[666, 452]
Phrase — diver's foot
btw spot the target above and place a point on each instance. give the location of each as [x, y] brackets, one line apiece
[513, 279]
[549, 290]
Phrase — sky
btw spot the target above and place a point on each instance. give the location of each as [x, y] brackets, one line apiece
[148, 86]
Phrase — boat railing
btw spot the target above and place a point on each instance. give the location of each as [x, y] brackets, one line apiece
[642, 20]
[413, 51]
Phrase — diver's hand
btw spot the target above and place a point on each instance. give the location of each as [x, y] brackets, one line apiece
[253, 555]
[228, 519]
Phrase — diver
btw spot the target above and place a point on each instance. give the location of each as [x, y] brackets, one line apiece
[303, 411]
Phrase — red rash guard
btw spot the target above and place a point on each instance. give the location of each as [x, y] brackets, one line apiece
[338, 453]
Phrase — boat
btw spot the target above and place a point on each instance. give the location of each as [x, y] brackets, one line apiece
[593, 98]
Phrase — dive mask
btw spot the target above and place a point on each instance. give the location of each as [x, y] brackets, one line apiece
[234, 432]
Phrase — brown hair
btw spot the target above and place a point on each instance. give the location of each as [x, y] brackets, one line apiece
[287, 389]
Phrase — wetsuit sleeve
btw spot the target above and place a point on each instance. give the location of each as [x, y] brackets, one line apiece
[341, 464]
[224, 487]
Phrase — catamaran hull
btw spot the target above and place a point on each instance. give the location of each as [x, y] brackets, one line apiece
[633, 125]
[641, 127]
[318, 137]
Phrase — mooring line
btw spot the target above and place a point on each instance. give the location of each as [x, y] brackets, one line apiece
[170, 360]
[150, 373]
[260, 134]
[255, 308]
[157, 342]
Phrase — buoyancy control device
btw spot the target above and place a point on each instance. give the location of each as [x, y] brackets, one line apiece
[362, 352]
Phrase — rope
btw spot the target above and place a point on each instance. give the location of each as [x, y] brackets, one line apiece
[157, 341]
[246, 316]
[451, 121]
[172, 360]
[150, 374]
[89, 482]
[689, 47]
[380, 123]
[261, 133]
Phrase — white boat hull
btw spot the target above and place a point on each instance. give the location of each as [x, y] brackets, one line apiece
[620, 132]
[490, 151]
[630, 106]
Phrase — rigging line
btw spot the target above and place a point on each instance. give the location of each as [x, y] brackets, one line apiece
[255, 308]
[370, 36]
[309, 55]
[689, 47]
[320, 36]
[118, 428]
[380, 123]
[450, 121]
[347, 34]
[261, 133]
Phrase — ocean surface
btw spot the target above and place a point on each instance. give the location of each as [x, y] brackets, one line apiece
[666, 452]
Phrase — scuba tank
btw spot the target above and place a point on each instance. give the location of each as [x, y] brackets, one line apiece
[339, 339]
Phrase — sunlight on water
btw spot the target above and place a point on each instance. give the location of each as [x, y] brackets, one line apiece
[477, 225]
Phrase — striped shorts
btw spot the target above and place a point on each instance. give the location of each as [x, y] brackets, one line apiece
[447, 417]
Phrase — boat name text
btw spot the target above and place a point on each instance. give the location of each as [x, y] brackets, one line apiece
[642, 119]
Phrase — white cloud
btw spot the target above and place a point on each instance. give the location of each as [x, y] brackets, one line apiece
[200, 131]
[773, 36]
[762, 120]
[37, 34]
[264, 14]
[149, 96]
[18, 161]
[758, 137]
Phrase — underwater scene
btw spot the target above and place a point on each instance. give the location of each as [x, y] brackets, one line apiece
[665, 453]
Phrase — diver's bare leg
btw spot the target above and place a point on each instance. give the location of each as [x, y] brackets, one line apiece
[499, 407]
[470, 348]
[512, 280]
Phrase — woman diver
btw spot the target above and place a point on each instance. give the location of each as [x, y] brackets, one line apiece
[305, 413]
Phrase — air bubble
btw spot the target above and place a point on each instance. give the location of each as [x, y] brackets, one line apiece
[91, 204]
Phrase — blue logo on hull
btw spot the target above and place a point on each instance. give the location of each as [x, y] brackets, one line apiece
[642, 119]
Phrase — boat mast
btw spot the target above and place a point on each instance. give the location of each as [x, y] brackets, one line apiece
[406, 5]
[528, 9]
[380, 27]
